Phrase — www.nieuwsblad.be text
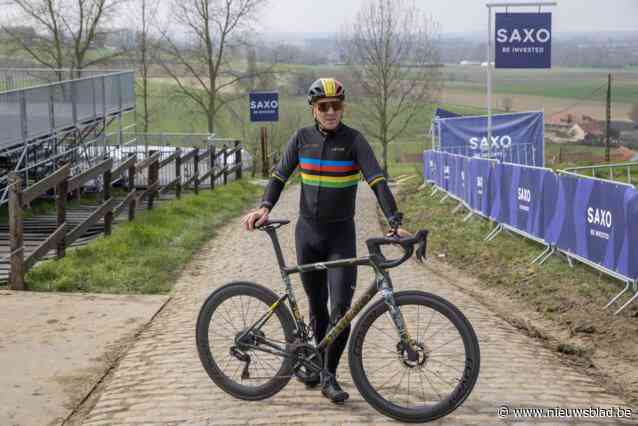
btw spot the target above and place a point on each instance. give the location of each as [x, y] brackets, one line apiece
[505, 411]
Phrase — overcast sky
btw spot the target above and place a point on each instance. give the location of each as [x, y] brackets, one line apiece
[453, 15]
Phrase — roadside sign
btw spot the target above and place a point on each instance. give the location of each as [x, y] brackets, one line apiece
[264, 106]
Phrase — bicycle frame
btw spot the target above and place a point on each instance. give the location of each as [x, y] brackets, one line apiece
[382, 283]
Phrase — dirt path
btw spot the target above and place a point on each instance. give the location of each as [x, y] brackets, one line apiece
[160, 380]
[55, 347]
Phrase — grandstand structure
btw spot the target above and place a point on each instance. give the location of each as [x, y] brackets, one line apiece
[49, 117]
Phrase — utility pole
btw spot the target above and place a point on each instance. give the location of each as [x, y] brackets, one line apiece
[608, 118]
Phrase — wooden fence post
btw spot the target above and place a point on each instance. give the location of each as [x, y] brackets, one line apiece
[108, 217]
[178, 172]
[211, 159]
[153, 171]
[238, 160]
[60, 207]
[225, 157]
[16, 276]
[196, 170]
[131, 187]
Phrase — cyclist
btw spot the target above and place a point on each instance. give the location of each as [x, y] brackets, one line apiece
[331, 157]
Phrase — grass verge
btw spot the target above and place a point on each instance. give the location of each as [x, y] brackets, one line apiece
[569, 299]
[144, 256]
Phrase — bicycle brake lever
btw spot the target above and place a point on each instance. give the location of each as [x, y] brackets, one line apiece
[422, 246]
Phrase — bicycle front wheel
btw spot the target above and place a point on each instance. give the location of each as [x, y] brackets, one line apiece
[240, 358]
[408, 388]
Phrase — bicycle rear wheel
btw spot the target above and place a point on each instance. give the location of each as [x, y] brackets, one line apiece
[240, 367]
[428, 387]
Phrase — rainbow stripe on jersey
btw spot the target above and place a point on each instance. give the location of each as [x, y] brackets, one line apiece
[329, 173]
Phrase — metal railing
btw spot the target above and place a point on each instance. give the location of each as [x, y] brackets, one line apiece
[519, 154]
[22, 78]
[607, 171]
[30, 113]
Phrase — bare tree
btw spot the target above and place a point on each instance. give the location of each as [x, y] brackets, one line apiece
[507, 103]
[67, 30]
[143, 17]
[633, 114]
[203, 69]
[390, 47]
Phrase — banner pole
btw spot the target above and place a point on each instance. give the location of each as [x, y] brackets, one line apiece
[489, 81]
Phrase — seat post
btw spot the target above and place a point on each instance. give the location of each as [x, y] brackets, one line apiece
[272, 233]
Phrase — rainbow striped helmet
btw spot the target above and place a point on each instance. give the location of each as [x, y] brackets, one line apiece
[326, 88]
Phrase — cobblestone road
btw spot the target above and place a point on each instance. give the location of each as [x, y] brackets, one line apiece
[161, 382]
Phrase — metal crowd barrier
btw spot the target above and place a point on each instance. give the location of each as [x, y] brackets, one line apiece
[440, 173]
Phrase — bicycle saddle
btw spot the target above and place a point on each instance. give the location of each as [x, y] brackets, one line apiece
[272, 224]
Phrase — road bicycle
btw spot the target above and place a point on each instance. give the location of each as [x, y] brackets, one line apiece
[413, 355]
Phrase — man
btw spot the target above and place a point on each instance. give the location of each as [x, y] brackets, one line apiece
[331, 157]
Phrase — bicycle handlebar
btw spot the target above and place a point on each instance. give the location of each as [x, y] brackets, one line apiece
[407, 244]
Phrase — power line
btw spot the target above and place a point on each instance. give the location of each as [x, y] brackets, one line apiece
[580, 101]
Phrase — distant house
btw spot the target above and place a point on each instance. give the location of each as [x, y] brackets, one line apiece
[560, 121]
[576, 133]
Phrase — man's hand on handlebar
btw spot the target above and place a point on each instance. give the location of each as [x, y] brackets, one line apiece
[255, 218]
[398, 232]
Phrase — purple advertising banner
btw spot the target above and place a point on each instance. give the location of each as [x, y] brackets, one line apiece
[521, 197]
[593, 219]
[428, 165]
[445, 170]
[516, 137]
[480, 193]
[454, 162]
[465, 180]
[438, 168]
[523, 40]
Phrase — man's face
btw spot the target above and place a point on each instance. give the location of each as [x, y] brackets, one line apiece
[328, 112]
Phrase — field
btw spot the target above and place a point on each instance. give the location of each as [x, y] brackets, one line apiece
[579, 91]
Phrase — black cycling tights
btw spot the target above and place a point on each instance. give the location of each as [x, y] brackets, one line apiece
[320, 243]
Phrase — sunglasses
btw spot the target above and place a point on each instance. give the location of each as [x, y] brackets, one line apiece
[325, 106]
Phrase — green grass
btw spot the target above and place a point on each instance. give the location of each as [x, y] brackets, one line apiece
[144, 256]
[504, 262]
[570, 83]
[569, 297]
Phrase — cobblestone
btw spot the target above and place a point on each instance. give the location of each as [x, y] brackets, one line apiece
[515, 370]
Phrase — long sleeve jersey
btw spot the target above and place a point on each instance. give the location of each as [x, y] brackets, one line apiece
[331, 166]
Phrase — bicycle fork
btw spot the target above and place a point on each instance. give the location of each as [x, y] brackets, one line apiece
[407, 344]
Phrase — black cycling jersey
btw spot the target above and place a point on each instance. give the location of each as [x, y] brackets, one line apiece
[331, 166]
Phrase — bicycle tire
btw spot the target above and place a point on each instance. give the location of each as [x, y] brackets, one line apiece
[428, 412]
[207, 311]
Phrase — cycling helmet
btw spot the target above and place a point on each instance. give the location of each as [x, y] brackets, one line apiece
[326, 88]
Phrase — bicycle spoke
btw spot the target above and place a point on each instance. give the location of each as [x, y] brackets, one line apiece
[418, 310]
[396, 388]
[446, 343]
[380, 369]
[380, 347]
[408, 396]
[432, 386]
[422, 388]
[444, 326]
[384, 333]
[241, 309]
[228, 319]
[263, 361]
[437, 375]
[429, 322]
[446, 354]
[235, 373]
[216, 333]
[447, 365]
